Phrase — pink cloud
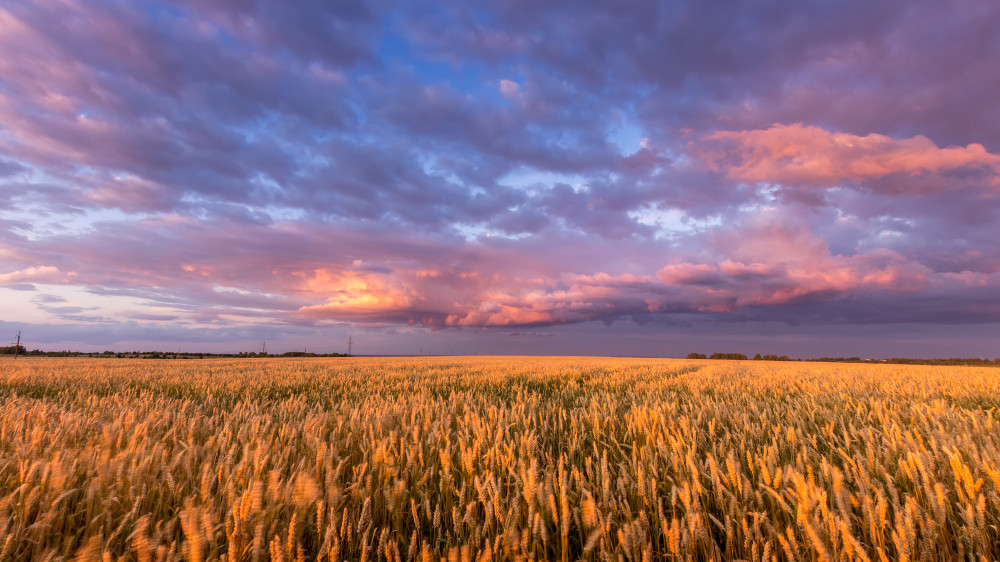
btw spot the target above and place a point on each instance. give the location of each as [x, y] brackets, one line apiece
[768, 262]
[972, 279]
[742, 270]
[37, 274]
[509, 88]
[458, 298]
[688, 274]
[357, 295]
[496, 314]
[764, 262]
[798, 155]
[773, 264]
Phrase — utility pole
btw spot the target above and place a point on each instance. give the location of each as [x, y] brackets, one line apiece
[17, 346]
[263, 348]
[350, 341]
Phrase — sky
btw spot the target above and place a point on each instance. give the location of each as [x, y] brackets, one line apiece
[796, 177]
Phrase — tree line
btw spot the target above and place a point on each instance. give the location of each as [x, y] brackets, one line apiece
[738, 357]
[9, 350]
[970, 361]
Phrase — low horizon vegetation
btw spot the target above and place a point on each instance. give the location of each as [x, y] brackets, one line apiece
[731, 356]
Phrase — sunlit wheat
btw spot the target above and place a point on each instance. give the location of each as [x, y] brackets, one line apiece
[496, 459]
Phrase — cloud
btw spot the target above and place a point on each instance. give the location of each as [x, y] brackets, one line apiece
[224, 166]
[360, 296]
[764, 262]
[809, 156]
[40, 274]
[9, 168]
[690, 274]
[49, 299]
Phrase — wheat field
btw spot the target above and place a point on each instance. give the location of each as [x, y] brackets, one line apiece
[496, 459]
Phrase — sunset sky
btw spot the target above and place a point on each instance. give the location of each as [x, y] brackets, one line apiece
[526, 177]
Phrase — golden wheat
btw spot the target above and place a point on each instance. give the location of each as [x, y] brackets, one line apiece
[496, 459]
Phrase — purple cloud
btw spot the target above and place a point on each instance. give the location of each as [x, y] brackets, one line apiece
[438, 167]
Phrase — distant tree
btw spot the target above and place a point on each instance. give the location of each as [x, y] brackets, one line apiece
[757, 357]
[697, 356]
[729, 356]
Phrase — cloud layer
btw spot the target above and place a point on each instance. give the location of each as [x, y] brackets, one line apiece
[509, 167]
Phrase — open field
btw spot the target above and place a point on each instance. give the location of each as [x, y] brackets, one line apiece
[497, 458]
